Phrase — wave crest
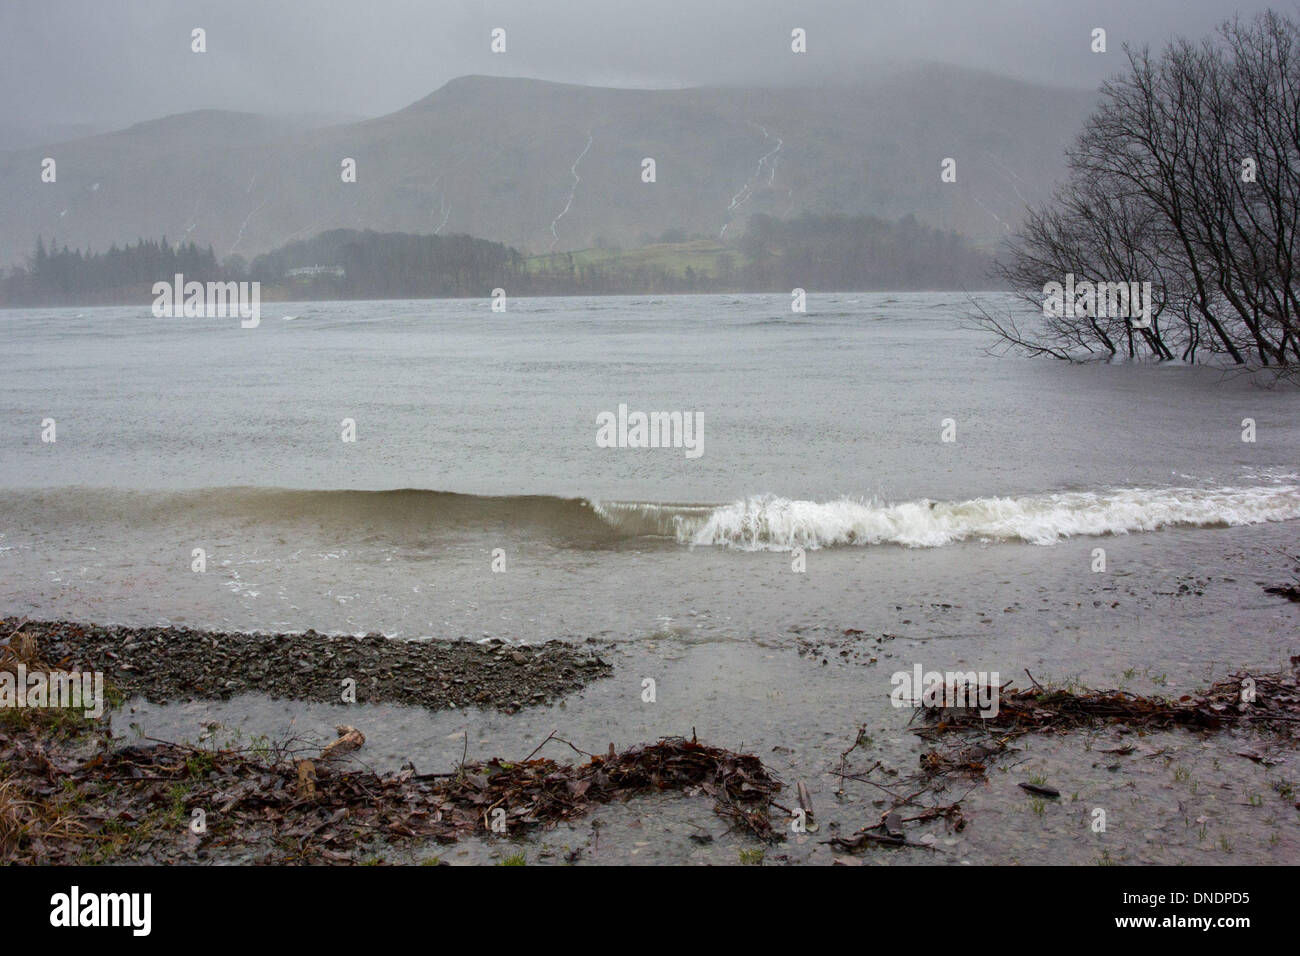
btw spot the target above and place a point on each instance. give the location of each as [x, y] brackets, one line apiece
[779, 524]
[760, 523]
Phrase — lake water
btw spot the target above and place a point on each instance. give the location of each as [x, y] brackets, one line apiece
[476, 431]
[476, 444]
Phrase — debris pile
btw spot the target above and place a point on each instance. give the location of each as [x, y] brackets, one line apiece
[917, 806]
[1266, 701]
[20, 647]
[318, 810]
[970, 741]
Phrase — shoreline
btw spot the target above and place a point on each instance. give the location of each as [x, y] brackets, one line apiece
[73, 790]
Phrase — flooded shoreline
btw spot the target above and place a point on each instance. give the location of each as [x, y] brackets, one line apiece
[1181, 610]
[1109, 526]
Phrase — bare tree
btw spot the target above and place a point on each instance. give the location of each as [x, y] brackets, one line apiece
[1188, 177]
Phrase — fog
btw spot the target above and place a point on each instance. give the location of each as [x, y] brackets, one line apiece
[69, 62]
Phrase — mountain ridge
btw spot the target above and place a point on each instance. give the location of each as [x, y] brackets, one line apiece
[547, 166]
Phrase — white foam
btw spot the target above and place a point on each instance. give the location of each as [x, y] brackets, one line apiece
[780, 524]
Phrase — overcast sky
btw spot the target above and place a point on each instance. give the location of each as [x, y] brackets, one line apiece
[112, 62]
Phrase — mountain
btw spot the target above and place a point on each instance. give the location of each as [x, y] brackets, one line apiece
[25, 135]
[551, 167]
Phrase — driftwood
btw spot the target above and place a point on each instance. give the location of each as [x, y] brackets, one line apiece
[1268, 702]
[325, 809]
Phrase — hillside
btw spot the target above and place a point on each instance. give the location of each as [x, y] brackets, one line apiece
[502, 158]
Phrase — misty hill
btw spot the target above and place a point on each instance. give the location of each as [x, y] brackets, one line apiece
[501, 159]
[26, 135]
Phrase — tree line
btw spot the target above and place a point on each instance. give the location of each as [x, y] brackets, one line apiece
[825, 252]
[384, 265]
[850, 253]
[61, 275]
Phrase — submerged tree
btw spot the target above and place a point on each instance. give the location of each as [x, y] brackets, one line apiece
[1188, 177]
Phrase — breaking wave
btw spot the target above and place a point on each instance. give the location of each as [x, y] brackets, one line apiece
[779, 524]
[764, 523]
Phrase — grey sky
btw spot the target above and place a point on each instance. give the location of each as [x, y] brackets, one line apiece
[111, 62]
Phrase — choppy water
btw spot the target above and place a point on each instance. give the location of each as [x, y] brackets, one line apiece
[476, 431]
[476, 445]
